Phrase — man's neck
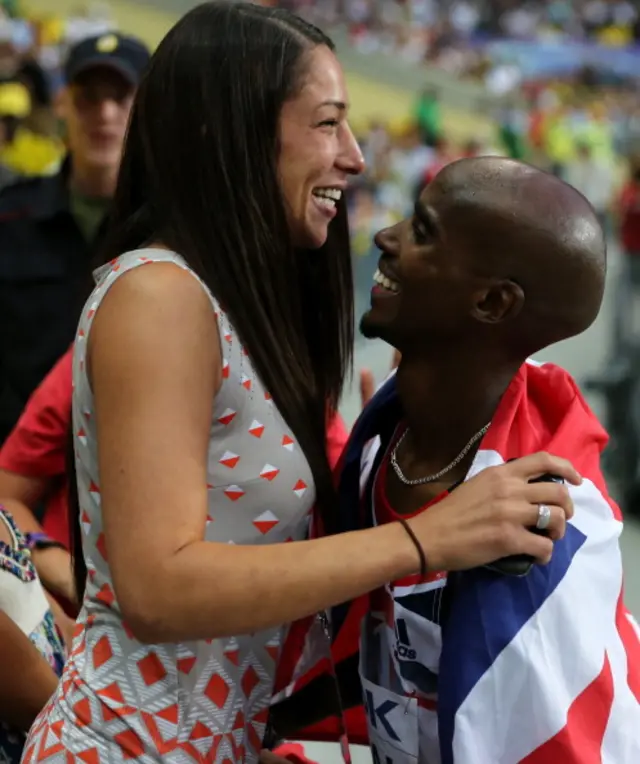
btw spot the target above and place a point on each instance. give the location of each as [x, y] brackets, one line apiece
[447, 402]
[94, 182]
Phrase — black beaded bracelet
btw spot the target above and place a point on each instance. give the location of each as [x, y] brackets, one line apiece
[418, 546]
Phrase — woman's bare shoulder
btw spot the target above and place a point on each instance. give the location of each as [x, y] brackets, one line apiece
[165, 283]
[155, 315]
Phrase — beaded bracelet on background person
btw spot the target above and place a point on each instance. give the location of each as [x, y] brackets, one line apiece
[38, 541]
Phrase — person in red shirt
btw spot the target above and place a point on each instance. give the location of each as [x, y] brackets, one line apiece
[629, 285]
[32, 474]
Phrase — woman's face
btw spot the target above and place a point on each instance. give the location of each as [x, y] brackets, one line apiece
[318, 151]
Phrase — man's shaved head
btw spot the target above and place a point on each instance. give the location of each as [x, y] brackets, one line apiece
[531, 227]
[497, 251]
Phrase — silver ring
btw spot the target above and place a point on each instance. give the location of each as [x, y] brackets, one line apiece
[544, 517]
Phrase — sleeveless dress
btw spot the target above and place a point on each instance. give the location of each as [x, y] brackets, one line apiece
[23, 599]
[205, 701]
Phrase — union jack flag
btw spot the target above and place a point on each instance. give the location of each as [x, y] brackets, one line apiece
[543, 669]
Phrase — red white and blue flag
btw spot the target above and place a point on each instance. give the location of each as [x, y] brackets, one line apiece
[543, 669]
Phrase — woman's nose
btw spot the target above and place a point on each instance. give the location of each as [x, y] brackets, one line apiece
[350, 159]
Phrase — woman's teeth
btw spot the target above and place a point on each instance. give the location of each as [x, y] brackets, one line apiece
[328, 197]
[381, 280]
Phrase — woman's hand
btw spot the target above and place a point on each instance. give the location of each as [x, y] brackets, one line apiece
[491, 515]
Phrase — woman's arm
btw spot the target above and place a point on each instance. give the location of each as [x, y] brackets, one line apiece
[26, 679]
[155, 366]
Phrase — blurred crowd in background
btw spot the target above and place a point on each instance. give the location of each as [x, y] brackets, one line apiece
[576, 113]
[460, 35]
[32, 49]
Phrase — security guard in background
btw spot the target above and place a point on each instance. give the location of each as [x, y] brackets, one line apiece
[51, 226]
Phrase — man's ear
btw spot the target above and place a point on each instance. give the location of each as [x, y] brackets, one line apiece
[497, 302]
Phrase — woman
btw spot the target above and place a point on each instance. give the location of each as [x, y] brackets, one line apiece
[200, 404]
[32, 650]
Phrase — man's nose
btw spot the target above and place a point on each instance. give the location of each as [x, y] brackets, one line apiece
[387, 239]
[108, 108]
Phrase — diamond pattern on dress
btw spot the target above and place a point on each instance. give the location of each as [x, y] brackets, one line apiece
[269, 472]
[217, 690]
[102, 652]
[266, 521]
[300, 488]
[234, 492]
[287, 443]
[228, 415]
[229, 459]
[256, 429]
[101, 546]
[186, 664]
[151, 669]
[250, 679]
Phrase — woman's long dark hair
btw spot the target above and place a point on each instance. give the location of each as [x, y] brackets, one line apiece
[199, 173]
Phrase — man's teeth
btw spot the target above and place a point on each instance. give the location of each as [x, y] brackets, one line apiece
[380, 279]
[328, 197]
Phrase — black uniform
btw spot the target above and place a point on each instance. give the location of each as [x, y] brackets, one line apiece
[45, 277]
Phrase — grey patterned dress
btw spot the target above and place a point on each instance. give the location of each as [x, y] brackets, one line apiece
[206, 701]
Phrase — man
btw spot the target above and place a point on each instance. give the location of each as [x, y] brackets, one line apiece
[50, 226]
[498, 261]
